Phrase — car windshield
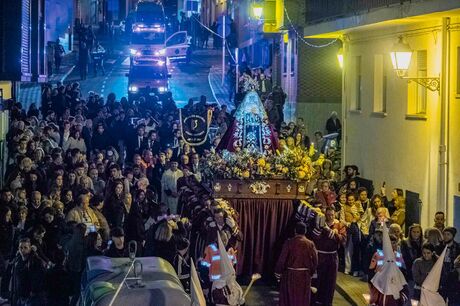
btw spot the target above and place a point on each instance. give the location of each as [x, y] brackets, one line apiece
[151, 38]
[148, 72]
[150, 17]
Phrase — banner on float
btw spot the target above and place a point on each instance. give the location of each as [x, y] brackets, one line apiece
[195, 127]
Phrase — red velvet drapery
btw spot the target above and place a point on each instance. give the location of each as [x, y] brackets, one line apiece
[263, 223]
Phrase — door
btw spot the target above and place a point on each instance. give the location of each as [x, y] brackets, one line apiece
[177, 45]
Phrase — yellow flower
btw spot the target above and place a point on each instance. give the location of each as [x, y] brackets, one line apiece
[268, 166]
[285, 170]
[246, 174]
[301, 174]
[261, 162]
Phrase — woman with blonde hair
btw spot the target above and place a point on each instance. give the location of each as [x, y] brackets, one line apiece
[433, 235]
[381, 216]
[160, 242]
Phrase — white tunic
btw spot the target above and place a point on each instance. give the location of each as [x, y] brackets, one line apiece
[169, 182]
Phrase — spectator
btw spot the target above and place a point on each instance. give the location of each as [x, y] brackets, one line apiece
[117, 246]
[75, 249]
[58, 54]
[439, 220]
[421, 267]
[27, 275]
[333, 124]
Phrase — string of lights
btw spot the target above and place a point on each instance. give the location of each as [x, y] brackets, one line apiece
[300, 37]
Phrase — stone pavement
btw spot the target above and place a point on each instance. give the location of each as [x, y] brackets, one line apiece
[265, 295]
[352, 289]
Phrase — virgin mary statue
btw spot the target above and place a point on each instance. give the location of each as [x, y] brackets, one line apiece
[250, 130]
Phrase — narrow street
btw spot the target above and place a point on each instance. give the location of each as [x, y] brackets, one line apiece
[187, 81]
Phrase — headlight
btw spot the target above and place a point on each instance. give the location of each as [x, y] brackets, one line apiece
[133, 51]
[162, 89]
[133, 88]
[160, 52]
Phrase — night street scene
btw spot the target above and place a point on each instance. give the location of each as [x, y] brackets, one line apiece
[229, 152]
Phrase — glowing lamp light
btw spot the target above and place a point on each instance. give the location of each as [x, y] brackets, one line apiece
[133, 88]
[135, 52]
[161, 89]
[257, 10]
[401, 55]
[160, 52]
[340, 58]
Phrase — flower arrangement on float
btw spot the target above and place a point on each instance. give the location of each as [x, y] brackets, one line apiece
[292, 164]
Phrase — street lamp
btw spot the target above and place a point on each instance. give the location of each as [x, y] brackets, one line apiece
[257, 10]
[340, 57]
[401, 55]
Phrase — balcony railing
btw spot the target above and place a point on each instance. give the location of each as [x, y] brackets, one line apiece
[321, 10]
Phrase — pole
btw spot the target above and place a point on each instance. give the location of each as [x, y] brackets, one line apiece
[444, 126]
[237, 72]
[223, 48]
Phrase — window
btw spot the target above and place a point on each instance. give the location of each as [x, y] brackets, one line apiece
[357, 90]
[380, 85]
[421, 92]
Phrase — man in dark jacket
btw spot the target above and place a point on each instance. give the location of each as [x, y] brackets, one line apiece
[453, 250]
[83, 57]
[101, 139]
[27, 276]
[117, 247]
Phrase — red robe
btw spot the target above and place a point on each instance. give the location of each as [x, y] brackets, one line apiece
[327, 244]
[296, 264]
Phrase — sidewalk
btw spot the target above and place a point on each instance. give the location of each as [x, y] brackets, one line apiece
[31, 92]
[352, 289]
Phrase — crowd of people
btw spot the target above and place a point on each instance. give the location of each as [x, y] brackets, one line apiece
[350, 240]
[86, 175]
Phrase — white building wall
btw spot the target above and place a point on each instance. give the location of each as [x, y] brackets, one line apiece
[390, 147]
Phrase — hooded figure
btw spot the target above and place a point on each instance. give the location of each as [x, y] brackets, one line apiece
[430, 286]
[196, 293]
[228, 275]
[389, 281]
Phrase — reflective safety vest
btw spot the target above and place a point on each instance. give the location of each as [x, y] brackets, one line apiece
[212, 260]
[379, 259]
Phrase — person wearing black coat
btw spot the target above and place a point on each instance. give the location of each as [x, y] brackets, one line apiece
[57, 283]
[101, 139]
[114, 207]
[117, 247]
[75, 250]
[134, 226]
[27, 276]
[160, 242]
[6, 233]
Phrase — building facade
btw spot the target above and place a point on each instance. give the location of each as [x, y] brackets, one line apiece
[395, 129]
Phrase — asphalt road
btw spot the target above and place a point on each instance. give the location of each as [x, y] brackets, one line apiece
[187, 81]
